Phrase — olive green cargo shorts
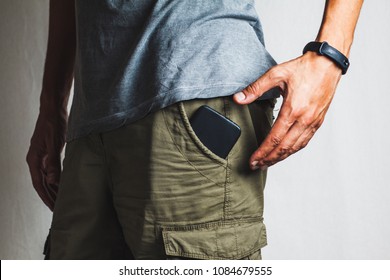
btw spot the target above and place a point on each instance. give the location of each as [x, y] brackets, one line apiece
[152, 190]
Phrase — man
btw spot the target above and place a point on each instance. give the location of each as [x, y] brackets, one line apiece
[137, 182]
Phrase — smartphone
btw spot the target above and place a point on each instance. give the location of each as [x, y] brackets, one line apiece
[214, 130]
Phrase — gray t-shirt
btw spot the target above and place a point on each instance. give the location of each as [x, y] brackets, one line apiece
[137, 56]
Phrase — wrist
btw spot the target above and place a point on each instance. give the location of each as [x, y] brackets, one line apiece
[54, 113]
[329, 52]
[54, 104]
[341, 41]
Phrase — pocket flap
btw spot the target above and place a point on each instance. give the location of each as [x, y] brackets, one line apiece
[216, 241]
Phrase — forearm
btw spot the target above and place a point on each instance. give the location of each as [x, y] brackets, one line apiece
[339, 22]
[60, 57]
[308, 84]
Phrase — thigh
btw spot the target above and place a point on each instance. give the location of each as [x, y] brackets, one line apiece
[85, 225]
[175, 198]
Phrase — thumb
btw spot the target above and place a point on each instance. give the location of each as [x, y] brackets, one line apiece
[272, 78]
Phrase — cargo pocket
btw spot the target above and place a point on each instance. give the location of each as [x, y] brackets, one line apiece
[215, 241]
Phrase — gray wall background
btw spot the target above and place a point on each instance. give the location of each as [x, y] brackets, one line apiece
[330, 201]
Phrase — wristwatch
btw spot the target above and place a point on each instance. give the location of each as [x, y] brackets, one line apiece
[323, 48]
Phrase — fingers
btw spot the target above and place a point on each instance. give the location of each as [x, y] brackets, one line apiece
[46, 190]
[44, 156]
[297, 137]
[271, 79]
[308, 86]
[309, 133]
[37, 176]
[51, 194]
[282, 150]
[274, 138]
[52, 176]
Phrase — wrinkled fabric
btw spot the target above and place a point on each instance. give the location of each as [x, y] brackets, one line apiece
[135, 57]
[153, 190]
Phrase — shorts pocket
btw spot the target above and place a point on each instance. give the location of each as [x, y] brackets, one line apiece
[215, 241]
[195, 139]
[188, 146]
[177, 119]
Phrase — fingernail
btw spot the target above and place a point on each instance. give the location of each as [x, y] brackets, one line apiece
[240, 96]
[254, 165]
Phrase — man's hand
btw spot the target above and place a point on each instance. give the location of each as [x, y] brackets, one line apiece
[47, 142]
[308, 84]
[44, 156]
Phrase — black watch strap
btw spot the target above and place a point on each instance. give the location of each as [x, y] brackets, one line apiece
[323, 48]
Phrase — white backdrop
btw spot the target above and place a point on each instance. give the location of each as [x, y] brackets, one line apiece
[330, 201]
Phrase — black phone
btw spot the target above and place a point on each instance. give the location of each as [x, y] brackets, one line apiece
[214, 130]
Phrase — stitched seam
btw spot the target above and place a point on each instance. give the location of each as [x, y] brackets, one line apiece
[204, 256]
[216, 241]
[227, 213]
[212, 225]
[236, 239]
[106, 163]
[237, 256]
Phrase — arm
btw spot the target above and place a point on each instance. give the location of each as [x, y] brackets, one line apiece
[308, 84]
[47, 142]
